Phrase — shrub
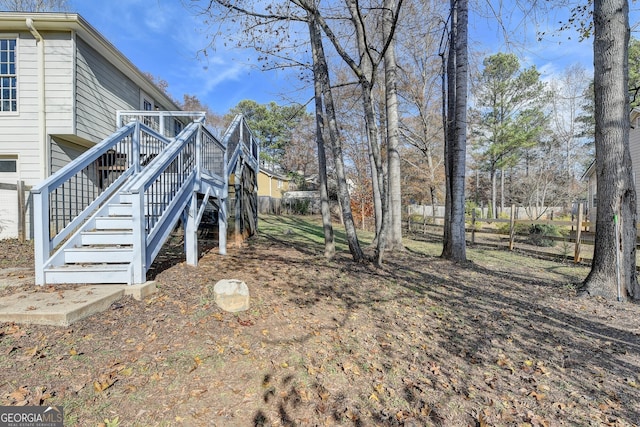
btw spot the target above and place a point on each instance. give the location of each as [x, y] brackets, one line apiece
[520, 228]
[300, 206]
[470, 207]
[539, 234]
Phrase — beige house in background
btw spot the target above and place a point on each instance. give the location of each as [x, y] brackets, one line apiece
[62, 83]
[273, 185]
[590, 174]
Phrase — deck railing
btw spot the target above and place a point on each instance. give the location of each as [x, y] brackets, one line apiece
[64, 201]
[240, 141]
[160, 174]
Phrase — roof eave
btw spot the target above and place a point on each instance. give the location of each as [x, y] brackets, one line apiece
[16, 21]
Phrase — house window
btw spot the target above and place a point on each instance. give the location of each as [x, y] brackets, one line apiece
[8, 77]
[279, 183]
[147, 105]
[177, 127]
[8, 164]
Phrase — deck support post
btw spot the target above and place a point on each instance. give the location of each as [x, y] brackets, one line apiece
[222, 227]
[191, 231]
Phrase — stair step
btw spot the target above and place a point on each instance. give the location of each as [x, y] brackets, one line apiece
[107, 237]
[119, 209]
[127, 199]
[114, 223]
[88, 273]
[98, 254]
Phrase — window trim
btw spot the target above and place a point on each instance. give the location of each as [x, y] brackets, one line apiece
[15, 38]
[9, 157]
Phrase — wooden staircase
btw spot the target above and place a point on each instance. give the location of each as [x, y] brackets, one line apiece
[118, 231]
[105, 251]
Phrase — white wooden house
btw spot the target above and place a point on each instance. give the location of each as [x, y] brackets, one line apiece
[61, 84]
[590, 175]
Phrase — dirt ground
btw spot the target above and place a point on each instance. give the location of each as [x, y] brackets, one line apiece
[502, 340]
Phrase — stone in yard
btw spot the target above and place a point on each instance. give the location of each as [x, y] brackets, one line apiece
[231, 295]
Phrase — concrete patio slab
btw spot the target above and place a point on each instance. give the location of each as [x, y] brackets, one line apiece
[65, 306]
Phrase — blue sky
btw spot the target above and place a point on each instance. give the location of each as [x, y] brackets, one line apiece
[161, 37]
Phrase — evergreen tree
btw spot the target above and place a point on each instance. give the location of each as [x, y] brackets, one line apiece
[509, 113]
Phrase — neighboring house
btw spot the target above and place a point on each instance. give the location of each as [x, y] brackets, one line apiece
[61, 84]
[590, 175]
[270, 184]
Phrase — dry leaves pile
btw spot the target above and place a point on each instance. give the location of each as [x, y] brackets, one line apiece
[421, 342]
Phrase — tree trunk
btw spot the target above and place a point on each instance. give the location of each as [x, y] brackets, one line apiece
[365, 73]
[394, 242]
[613, 269]
[336, 148]
[494, 193]
[325, 208]
[501, 190]
[378, 172]
[455, 148]
[377, 201]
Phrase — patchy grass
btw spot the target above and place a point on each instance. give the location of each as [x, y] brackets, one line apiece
[501, 340]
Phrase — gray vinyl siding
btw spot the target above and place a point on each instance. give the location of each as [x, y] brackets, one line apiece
[67, 203]
[62, 153]
[101, 89]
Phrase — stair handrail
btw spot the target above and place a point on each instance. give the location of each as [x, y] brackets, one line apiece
[151, 167]
[166, 123]
[81, 186]
[240, 139]
[159, 195]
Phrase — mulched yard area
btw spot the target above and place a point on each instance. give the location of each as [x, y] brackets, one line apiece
[502, 340]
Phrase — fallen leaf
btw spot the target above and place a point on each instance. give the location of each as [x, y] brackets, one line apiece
[99, 387]
[481, 420]
[104, 382]
[197, 392]
[32, 351]
[19, 394]
[247, 322]
[538, 396]
[435, 369]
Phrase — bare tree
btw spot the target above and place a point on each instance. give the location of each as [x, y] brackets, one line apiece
[421, 121]
[301, 151]
[394, 241]
[275, 21]
[214, 121]
[454, 245]
[319, 80]
[364, 64]
[613, 269]
[34, 5]
[568, 97]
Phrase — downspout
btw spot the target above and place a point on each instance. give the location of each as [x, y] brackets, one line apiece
[42, 112]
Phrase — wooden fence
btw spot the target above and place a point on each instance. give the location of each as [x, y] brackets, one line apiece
[289, 205]
[580, 230]
[21, 202]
